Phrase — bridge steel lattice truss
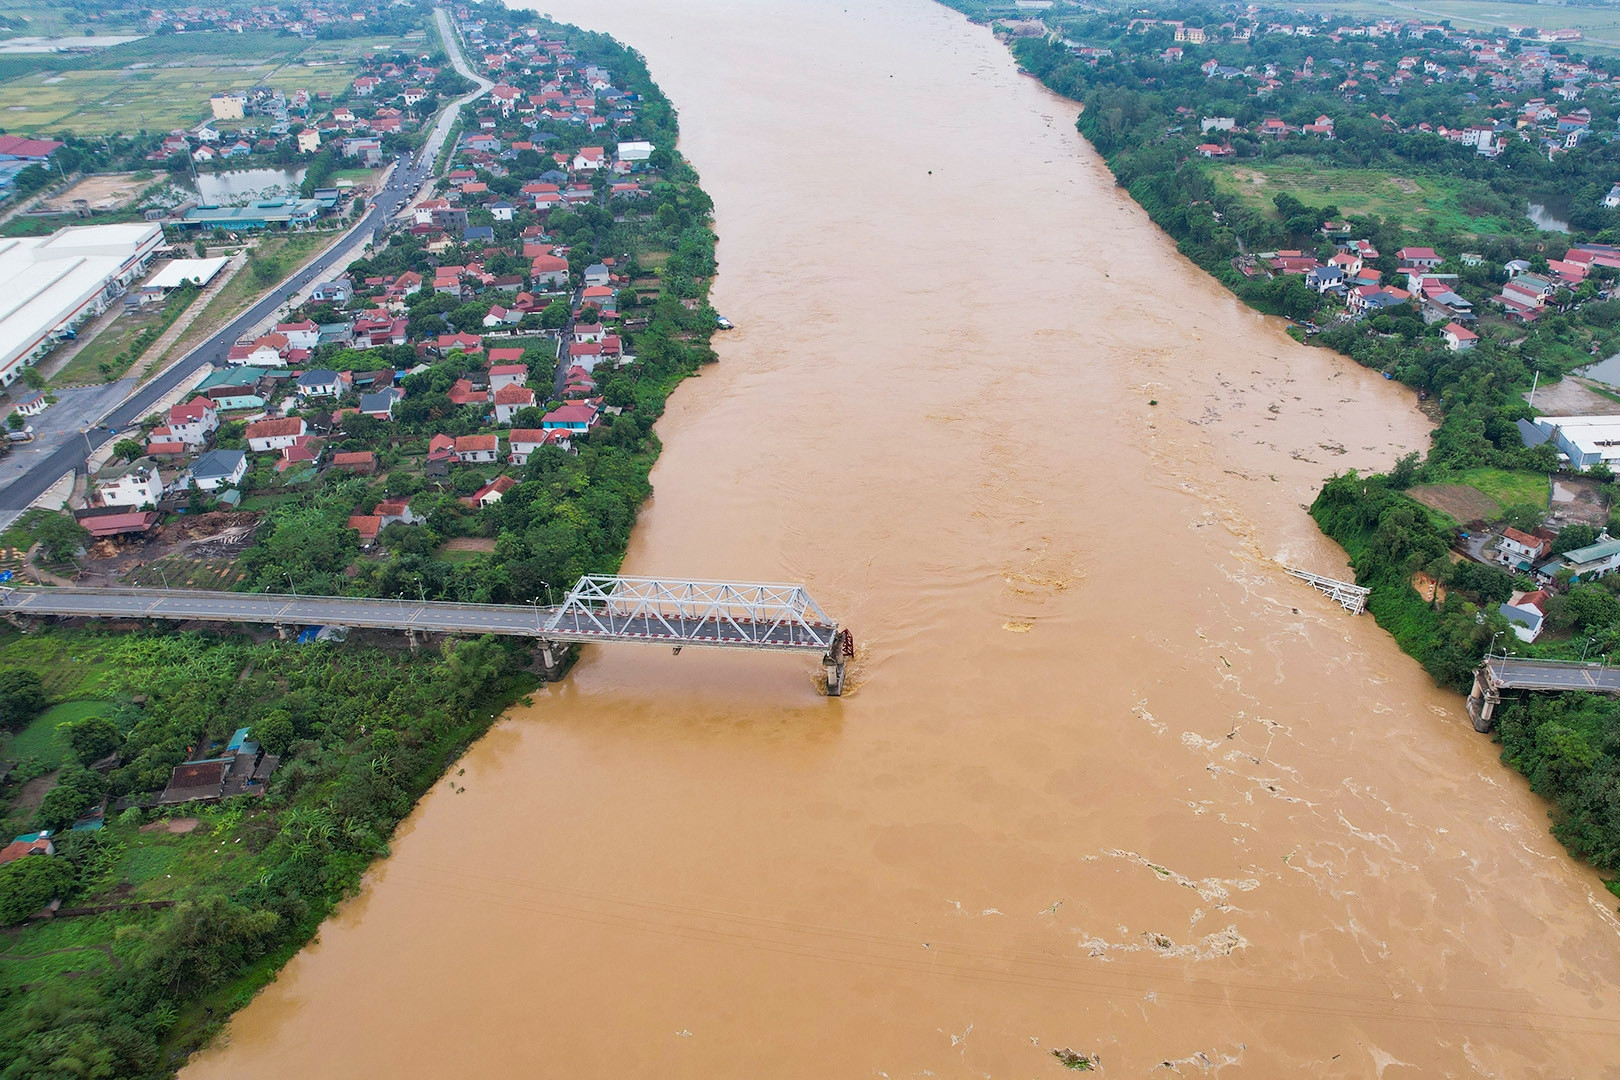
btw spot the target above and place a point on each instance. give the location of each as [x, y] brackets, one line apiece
[598, 609]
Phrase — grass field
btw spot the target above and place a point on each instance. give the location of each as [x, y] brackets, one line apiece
[1357, 191]
[1482, 494]
[40, 739]
[162, 83]
[84, 367]
[1508, 488]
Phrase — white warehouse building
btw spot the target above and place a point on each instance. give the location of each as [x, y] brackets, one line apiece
[1584, 440]
[50, 284]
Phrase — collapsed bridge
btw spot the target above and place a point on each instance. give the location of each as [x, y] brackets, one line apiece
[598, 609]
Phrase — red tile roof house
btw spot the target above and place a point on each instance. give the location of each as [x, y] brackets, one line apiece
[467, 343]
[1458, 338]
[471, 449]
[491, 492]
[37, 843]
[274, 434]
[509, 400]
[355, 461]
[368, 526]
[305, 450]
[508, 374]
[525, 441]
[576, 419]
[462, 393]
[1423, 257]
[191, 423]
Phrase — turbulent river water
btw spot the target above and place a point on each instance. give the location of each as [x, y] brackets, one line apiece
[1106, 779]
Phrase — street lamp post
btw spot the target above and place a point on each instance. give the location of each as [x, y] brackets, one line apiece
[290, 584]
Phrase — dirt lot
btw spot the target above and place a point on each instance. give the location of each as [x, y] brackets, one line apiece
[1577, 501]
[469, 543]
[1463, 503]
[109, 191]
[1572, 396]
[193, 553]
[176, 826]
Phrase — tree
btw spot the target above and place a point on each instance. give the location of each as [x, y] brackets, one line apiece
[91, 739]
[1523, 516]
[30, 883]
[60, 537]
[77, 790]
[554, 316]
[15, 421]
[275, 731]
[1572, 537]
[33, 379]
[128, 449]
[22, 697]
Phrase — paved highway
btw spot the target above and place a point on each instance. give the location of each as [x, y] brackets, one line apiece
[1553, 675]
[513, 620]
[30, 482]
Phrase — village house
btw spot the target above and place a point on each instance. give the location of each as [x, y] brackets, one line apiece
[193, 422]
[241, 769]
[510, 399]
[1519, 550]
[491, 493]
[136, 484]
[217, 469]
[33, 843]
[266, 435]
[1526, 613]
[320, 382]
[504, 375]
[1458, 338]
[475, 449]
[575, 418]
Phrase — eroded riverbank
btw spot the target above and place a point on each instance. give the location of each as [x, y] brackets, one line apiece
[1107, 779]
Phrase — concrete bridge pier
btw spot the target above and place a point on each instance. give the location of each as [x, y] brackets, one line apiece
[1483, 700]
[281, 631]
[839, 653]
[411, 638]
[552, 659]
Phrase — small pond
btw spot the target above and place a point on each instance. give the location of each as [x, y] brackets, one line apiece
[245, 185]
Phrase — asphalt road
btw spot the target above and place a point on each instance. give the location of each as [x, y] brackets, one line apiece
[513, 620]
[1548, 675]
[24, 477]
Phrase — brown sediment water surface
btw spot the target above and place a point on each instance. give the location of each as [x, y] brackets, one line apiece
[1106, 779]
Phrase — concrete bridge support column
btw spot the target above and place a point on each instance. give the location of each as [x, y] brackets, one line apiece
[835, 675]
[552, 659]
[1482, 701]
[411, 638]
[281, 631]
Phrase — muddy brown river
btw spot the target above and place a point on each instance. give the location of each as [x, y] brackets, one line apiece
[1106, 779]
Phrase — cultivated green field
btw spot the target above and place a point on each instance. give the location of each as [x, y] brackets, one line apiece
[55, 18]
[1600, 25]
[1413, 199]
[162, 83]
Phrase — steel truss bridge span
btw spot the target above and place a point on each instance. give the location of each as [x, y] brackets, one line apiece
[599, 609]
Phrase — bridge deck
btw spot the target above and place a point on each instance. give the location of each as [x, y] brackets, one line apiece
[1517, 674]
[572, 622]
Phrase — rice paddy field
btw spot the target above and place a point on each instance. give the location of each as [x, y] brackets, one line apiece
[158, 84]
